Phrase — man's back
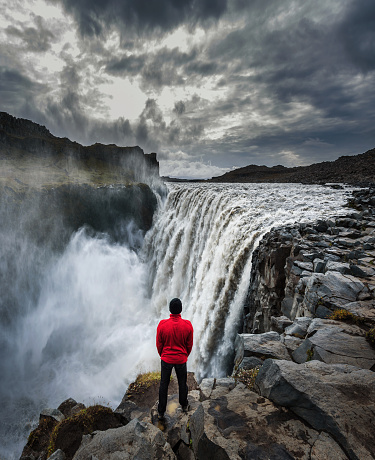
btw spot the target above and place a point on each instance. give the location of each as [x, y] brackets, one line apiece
[174, 339]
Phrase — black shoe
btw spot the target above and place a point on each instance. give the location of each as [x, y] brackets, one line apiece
[186, 408]
[160, 416]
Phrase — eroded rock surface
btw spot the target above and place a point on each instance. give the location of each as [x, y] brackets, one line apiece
[338, 399]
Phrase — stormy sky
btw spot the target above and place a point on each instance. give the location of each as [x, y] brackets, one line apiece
[209, 85]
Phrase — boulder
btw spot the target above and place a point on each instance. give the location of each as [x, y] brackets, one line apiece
[299, 327]
[325, 447]
[249, 363]
[279, 323]
[57, 455]
[206, 386]
[137, 440]
[332, 289]
[53, 413]
[338, 399]
[262, 346]
[242, 425]
[175, 423]
[337, 267]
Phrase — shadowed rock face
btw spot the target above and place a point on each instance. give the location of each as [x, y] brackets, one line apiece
[53, 160]
[335, 398]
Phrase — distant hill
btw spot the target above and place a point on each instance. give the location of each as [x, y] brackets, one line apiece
[31, 156]
[356, 169]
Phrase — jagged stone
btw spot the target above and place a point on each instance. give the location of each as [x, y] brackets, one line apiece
[299, 327]
[250, 362]
[291, 342]
[279, 323]
[333, 346]
[175, 423]
[264, 345]
[325, 447]
[333, 289]
[241, 425]
[57, 455]
[206, 386]
[319, 265]
[137, 440]
[337, 267]
[364, 309]
[223, 386]
[54, 413]
[361, 272]
[336, 398]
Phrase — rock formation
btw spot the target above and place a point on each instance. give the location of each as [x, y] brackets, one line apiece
[48, 160]
[355, 169]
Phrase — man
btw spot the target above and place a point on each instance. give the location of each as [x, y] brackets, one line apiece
[174, 341]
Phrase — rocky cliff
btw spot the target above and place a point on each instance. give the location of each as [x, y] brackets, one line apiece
[303, 385]
[355, 169]
[31, 156]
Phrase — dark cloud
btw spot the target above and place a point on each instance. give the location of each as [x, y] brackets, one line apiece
[142, 16]
[36, 39]
[280, 81]
[16, 88]
[179, 107]
[357, 33]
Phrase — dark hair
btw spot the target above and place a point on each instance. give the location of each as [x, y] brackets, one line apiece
[175, 306]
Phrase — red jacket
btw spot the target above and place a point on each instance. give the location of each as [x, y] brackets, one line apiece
[174, 339]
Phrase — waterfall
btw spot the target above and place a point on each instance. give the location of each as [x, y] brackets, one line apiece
[81, 322]
[200, 248]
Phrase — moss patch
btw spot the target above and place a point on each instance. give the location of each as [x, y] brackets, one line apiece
[39, 438]
[67, 435]
[345, 315]
[247, 377]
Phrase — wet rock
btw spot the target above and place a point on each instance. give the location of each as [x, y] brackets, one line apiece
[336, 398]
[138, 440]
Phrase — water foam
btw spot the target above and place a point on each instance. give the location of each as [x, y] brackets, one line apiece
[92, 326]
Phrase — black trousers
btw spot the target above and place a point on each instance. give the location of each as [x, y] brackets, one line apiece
[181, 372]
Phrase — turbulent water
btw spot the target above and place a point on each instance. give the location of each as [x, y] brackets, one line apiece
[88, 316]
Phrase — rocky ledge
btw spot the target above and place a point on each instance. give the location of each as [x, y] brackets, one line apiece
[303, 385]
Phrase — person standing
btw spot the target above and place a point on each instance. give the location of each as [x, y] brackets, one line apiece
[174, 341]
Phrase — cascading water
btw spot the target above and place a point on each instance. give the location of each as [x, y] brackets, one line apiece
[81, 323]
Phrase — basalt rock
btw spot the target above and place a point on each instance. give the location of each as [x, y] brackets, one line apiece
[300, 271]
[338, 399]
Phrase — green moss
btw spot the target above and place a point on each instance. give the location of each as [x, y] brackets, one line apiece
[309, 354]
[144, 381]
[247, 377]
[85, 420]
[370, 336]
[345, 315]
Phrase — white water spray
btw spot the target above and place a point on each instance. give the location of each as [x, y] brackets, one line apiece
[92, 327]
